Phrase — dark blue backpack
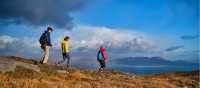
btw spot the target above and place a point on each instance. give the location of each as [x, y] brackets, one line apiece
[43, 38]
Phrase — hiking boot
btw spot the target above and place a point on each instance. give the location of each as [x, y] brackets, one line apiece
[41, 62]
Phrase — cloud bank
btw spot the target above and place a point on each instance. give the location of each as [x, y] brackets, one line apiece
[116, 41]
[18, 46]
[85, 40]
[39, 12]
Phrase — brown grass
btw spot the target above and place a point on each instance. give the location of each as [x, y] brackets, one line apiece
[48, 77]
[92, 79]
[22, 72]
[47, 70]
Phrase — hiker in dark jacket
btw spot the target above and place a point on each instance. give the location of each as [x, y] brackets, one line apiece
[45, 42]
[101, 58]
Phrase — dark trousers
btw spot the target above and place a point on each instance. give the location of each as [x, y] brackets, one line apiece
[66, 56]
[102, 63]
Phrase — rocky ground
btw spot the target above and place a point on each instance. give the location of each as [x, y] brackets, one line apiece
[16, 72]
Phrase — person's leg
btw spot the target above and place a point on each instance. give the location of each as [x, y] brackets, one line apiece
[43, 55]
[101, 65]
[68, 60]
[46, 56]
[63, 60]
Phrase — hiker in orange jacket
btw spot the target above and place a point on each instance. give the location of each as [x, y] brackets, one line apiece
[101, 58]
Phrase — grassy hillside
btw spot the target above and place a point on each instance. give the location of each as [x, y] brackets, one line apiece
[30, 74]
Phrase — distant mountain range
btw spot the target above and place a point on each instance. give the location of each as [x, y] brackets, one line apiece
[150, 61]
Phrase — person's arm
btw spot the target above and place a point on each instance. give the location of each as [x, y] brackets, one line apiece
[62, 48]
[48, 39]
[104, 55]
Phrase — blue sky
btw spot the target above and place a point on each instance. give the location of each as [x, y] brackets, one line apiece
[153, 16]
[147, 23]
[171, 18]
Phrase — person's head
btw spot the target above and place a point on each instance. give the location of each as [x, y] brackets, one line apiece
[49, 29]
[66, 38]
[101, 48]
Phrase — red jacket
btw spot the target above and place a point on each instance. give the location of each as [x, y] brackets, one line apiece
[103, 52]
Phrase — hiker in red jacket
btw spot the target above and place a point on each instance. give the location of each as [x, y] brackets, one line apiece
[101, 58]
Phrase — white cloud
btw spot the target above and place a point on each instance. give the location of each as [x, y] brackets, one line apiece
[4, 40]
[85, 40]
[117, 41]
[13, 45]
[88, 39]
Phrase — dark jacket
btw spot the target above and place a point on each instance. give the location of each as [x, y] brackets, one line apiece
[48, 38]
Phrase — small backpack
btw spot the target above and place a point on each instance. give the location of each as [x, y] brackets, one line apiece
[99, 56]
[43, 38]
